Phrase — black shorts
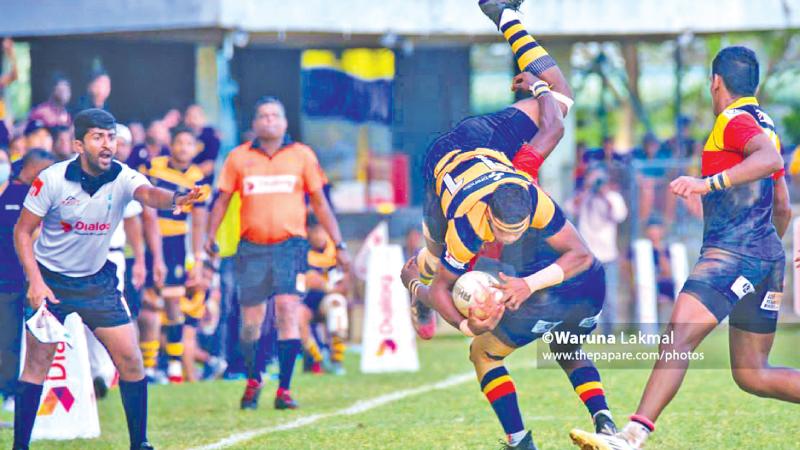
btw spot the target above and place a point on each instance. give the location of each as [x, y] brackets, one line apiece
[504, 131]
[94, 297]
[174, 248]
[747, 289]
[263, 271]
[313, 299]
[574, 307]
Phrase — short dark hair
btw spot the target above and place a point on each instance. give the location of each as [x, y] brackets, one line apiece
[738, 67]
[180, 129]
[511, 203]
[59, 77]
[35, 155]
[268, 100]
[97, 73]
[93, 118]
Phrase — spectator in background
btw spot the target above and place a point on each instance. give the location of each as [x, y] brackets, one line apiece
[138, 133]
[681, 145]
[172, 118]
[53, 112]
[97, 92]
[661, 258]
[412, 243]
[62, 145]
[581, 166]
[207, 137]
[599, 210]
[34, 161]
[5, 80]
[38, 136]
[156, 143]
[12, 279]
[124, 141]
[648, 177]
[17, 148]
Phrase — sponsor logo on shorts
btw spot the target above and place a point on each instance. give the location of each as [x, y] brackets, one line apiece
[772, 301]
[543, 326]
[589, 322]
[742, 286]
[269, 184]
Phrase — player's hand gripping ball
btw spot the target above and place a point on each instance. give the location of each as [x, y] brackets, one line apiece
[475, 289]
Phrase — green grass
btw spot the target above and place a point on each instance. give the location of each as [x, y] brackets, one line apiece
[708, 413]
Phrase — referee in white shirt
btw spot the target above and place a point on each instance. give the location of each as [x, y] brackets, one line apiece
[79, 204]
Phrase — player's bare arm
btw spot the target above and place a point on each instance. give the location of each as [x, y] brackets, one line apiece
[38, 291]
[761, 160]
[325, 215]
[163, 199]
[214, 220]
[199, 221]
[152, 236]
[134, 232]
[575, 259]
[781, 207]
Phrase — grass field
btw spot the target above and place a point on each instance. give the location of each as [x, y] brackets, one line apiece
[709, 412]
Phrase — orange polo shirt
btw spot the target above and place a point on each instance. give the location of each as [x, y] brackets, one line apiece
[272, 189]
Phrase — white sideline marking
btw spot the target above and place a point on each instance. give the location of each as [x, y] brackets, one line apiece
[357, 408]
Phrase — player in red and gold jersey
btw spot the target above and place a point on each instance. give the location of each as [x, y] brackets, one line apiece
[740, 271]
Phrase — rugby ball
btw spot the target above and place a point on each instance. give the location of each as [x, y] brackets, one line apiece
[475, 288]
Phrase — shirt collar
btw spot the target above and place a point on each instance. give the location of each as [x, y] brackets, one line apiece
[743, 101]
[89, 183]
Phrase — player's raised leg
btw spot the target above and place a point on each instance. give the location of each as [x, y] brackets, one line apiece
[529, 54]
[690, 323]
[751, 369]
[122, 344]
[487, 354]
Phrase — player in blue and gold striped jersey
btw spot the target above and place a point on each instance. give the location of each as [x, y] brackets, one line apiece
[326, 287]
[560, 286]
[175, 172]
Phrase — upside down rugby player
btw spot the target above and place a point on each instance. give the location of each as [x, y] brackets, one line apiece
[525, 133]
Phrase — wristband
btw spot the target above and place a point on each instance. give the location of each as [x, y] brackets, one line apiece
[341, 246]
[549, 276]
[718, 182]
[464, 328]
[413, 285]
[540, 88]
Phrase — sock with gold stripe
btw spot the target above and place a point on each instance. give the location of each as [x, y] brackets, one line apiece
[312, 350]
[498, 387]
[337, 349]
[586, 381]
[530, 56]
[149, 353]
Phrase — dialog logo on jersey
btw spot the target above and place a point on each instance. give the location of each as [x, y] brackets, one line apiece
[55, 396]
[87, 229]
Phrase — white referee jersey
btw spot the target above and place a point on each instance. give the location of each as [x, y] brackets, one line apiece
[76, 227]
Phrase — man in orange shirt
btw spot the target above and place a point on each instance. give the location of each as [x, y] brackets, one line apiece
[273, 179]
